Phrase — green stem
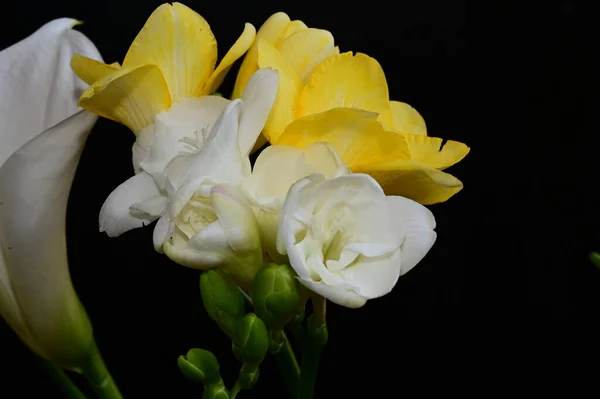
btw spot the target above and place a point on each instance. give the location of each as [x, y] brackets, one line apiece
[98, 377]
[308, 376]
[235, 390]
[288, 365]
[63, 381]
[317, 336]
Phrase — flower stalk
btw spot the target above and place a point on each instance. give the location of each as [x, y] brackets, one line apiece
[97, 375]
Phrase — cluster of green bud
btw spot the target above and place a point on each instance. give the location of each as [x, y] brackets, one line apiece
[276, 298]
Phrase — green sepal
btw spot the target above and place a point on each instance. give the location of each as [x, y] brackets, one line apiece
[249, 374]
[215, 391]
[317, 331]
[276, 341]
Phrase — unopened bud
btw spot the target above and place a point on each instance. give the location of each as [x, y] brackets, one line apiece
[275, 295]
[251, 339]
[200, 366]
[222, 300]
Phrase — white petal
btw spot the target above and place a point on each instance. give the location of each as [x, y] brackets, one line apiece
[162, 231]
[207, 249]
[258, 98]
[172, 129]
[236, 218]
[153, 206]
[337, 295]
[115, 215]
[38, 89]
[290, 227]
[9, 307]
[34, 187]
[415, 223]
[218, 162]
[375, 276]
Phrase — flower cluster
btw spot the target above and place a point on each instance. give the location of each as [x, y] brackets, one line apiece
[339, 192]
[333, 208]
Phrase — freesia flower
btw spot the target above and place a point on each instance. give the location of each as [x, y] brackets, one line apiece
[172, 59]
[193, 191]
[208, 222]
[301, 48]
[42, 134]
[162, 94]
[317, 78]
[274, 172]
[348, 241]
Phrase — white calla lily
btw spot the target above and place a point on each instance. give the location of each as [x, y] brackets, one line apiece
[274, 172]
[348, 241]
[42, 134]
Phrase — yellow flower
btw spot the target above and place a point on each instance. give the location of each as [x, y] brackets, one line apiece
[172, 58]
[301, 48]
[314, 78]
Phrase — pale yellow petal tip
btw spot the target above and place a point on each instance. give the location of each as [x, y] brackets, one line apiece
[75, 23]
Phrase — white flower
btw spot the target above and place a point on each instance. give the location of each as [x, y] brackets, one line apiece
[349, 242]
[274, 172]
[42, 134]
[175, 141]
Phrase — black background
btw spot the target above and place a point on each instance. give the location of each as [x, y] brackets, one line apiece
[509, 268]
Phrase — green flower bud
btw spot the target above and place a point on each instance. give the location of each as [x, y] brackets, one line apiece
[217, 391]
[222, 300]
[248, 376]
[317, 331]
[275, 295]
[251, 339]
[200, 366]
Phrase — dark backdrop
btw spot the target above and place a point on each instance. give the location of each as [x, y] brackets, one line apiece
[511, 254]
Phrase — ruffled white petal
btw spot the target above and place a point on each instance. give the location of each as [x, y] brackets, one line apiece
[415, 223]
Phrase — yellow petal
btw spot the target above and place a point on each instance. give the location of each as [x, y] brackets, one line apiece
[272, 32]
[284, 109]
[180, 42]
[131, 96]
[345, 80]
[90, 70]
[429, 151]
[293, 27]
[356, 135]
[306, 48]
[238, 49]
[413, 180]
[403, 118]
